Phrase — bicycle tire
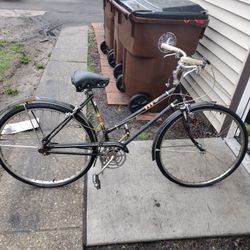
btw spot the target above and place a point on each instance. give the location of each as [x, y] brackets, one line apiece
[182, 162]
[19, 154]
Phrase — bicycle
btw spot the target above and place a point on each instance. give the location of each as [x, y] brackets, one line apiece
[37, 135]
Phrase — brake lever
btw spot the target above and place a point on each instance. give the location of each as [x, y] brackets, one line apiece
[190, 71]
[168, 55]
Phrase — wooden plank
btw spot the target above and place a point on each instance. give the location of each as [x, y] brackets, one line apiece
[234, 63]
[219, 64]
[231, 19]
[211, 72]
[217, 91]
[236, 7]
[197, 93]
[227, 44]
[231, 33]
[198, 83]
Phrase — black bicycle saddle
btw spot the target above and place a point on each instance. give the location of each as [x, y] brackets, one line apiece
[87, 80]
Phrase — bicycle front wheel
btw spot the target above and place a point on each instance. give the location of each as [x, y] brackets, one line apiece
[22, 130]
[196, 150]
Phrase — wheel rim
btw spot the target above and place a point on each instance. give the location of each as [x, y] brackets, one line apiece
[104, 48]
[19, 152]
[182, 162]
[119, 84]
[117, 70]
[137, 102]
[111, 59]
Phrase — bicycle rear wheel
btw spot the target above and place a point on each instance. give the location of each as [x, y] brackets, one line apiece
[196, 152]
[21, 132]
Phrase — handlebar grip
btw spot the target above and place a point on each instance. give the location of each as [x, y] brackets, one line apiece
[169, 47]
[191, 61]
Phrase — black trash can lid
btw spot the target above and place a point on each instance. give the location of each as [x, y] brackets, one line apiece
[164, 9]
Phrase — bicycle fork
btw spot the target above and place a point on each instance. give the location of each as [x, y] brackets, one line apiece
[186, 113]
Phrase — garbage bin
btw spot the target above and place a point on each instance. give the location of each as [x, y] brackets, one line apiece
[118, 48]
[111, 45]
[108, 26]
[142, 27]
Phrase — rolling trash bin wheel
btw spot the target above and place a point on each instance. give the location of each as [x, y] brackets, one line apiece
[119, 84]
[111, 58]
[104, 48]
[138, 101]
[117, 70]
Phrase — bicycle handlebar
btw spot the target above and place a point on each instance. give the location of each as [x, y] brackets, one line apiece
[169, 47]
[173, 49]
[191, 61]
[184, 59]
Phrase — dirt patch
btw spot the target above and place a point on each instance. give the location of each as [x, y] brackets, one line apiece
[225, 243]
[25, 72]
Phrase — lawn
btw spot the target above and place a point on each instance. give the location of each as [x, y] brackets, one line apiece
[11, 53]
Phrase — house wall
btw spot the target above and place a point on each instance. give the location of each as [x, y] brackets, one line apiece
[226, 43]
[244, 105]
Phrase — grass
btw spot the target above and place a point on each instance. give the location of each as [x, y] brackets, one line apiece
[145, 136]
[10, 91]
[3, 43]
[248, 129]
[25, 60]
[91, 46]
[40, 66]
[10, 53]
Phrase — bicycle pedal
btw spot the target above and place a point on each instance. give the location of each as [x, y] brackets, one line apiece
[96, 181]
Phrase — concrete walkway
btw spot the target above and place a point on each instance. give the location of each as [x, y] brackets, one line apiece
[137, 203]
[33, 218]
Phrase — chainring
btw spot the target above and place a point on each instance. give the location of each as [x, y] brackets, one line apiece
[119, 157]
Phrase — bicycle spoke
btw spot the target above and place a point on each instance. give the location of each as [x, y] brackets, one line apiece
[200, 168]
[19, 151]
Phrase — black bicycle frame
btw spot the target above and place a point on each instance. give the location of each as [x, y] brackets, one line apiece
[89, 145]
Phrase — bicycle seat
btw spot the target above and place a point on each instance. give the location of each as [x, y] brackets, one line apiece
[87, 80]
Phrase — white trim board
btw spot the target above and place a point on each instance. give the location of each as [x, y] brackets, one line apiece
[244, 105]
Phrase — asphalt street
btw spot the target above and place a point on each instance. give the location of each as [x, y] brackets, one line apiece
[61, 12]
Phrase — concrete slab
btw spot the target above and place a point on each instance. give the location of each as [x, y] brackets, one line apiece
[71, 40]
[137, 203]
[40, 218]
[28, 208]
[56, 81]
[72, 55]
[74, 30]
[72, 45]
[52, 239]
[34, 218]
[20, 13]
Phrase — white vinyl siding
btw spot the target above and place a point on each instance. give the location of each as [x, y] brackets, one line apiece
[226, 43]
